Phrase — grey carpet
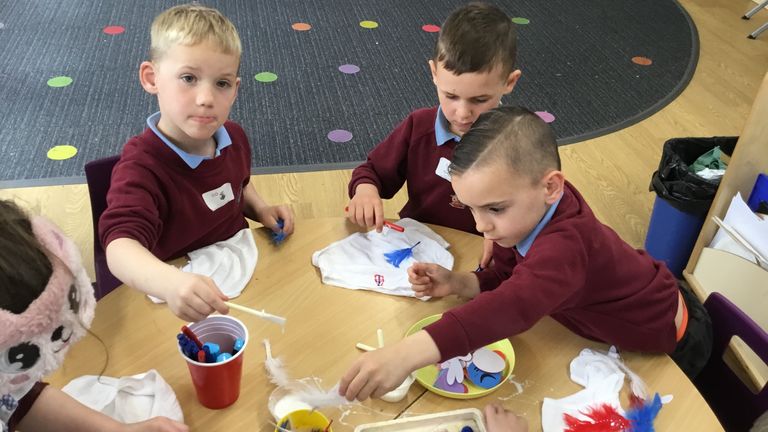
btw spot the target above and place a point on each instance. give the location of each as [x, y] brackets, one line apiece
[575, 57]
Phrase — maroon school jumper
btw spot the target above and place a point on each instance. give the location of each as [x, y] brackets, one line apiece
[582, 274]
[156, 199]
[411, 153]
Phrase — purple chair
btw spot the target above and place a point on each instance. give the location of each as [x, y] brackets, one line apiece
[98, 174]
[735, 405]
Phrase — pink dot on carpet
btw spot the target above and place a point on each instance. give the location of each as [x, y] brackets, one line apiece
[430, 28]
[113, 29]
[546, 116]
[349, 68]
[339, 135]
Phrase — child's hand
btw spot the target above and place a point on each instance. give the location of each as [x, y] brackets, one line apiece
[193, 297]
[378, 372]
[366, 208]
[431, 280]
[374, 374]
[268, 217]
[499, 419]
[156, 424]
[485, 259]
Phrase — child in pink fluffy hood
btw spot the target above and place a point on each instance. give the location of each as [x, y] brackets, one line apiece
[46, 304]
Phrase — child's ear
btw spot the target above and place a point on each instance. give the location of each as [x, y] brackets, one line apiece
[511, 81]
[433, 70]
[554, 183]
[237, 87]
[148, 77]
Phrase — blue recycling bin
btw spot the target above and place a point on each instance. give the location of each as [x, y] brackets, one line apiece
[682, 199]
[672, 233]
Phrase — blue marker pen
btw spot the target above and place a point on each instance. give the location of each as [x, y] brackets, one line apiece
[214, 347]
[238, 346]
[184, 344]
[208, 357]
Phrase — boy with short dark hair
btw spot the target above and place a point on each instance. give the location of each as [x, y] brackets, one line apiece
[551, 257]
[185, 182]
[472, 68]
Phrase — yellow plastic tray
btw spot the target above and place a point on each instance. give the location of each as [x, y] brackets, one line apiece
[427, 375]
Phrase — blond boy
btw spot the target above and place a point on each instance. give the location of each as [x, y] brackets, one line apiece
[184, 183]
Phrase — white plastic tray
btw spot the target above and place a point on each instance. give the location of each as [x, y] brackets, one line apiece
[449, 421]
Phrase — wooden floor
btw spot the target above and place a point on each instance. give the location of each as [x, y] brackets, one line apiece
[612, 172]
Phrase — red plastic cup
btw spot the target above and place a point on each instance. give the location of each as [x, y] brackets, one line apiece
[218, 384]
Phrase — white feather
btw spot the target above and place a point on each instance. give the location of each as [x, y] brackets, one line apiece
[312, 395]
[275, 369]
[319, 398]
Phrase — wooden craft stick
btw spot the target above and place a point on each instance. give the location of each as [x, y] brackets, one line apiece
[364, 347]
[380, 337]
[261, 314]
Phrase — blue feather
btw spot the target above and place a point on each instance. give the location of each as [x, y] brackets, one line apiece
[400, 255]
[278, 237]
[642, 415]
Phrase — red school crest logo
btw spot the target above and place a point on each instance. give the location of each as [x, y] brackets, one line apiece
[455, 203]
[378, 279]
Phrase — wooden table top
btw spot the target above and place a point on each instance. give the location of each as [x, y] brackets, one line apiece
[323, 325]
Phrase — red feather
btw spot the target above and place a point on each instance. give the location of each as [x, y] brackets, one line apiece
[602, 418]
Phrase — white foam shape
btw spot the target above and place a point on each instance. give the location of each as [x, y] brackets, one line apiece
[488, 361]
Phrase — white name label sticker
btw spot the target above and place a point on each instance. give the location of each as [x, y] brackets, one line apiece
[217, 198]
[442, 168]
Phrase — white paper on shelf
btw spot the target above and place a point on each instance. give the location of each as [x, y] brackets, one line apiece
[749, 226]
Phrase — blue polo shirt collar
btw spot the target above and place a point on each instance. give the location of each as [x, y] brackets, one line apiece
[220, 136]
[527, 242]
[443, 132]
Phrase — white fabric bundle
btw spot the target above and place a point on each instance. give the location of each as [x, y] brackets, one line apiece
[358, 262]
[602, 376]
[128, 399]
[230, 263]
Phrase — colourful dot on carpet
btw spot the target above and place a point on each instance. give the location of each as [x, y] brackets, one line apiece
[60, 81]
[61, 152]
[113, 29]
[349, 69]
[369, 24]
[339, 135]
[642, 61]
[2, 26]
[300, 26]
[430, 28]
[265, 77]
[521, 21]
[546, 116]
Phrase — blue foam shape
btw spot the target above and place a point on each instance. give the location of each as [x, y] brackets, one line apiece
[482, 378]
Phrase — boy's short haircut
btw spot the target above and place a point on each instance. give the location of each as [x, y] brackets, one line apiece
[192, 24]
[477, 38]
[513, 135]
